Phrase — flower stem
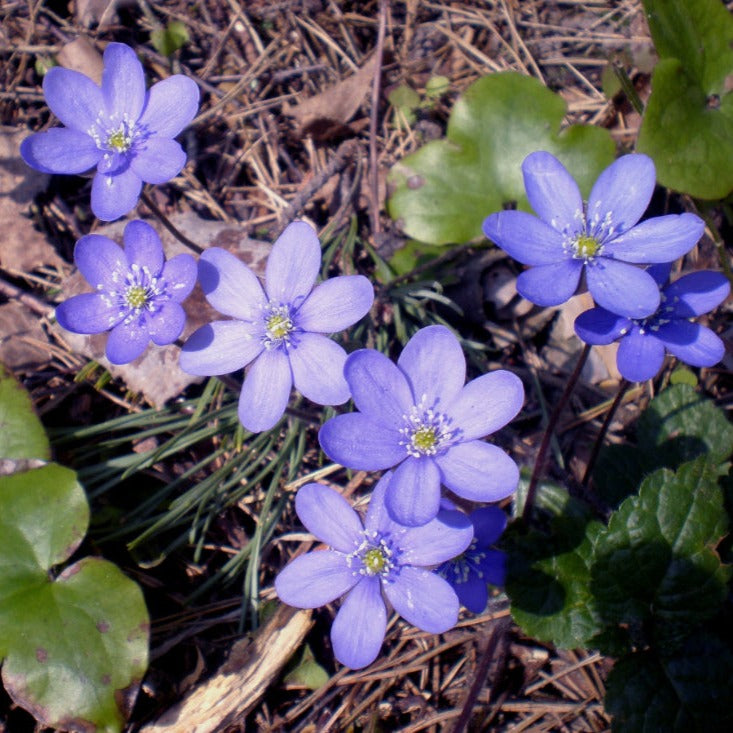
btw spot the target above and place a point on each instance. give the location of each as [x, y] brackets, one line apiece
[166, 222]
[547, 436]
[604, 429]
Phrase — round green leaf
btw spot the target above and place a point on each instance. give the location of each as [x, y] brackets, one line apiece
[21, 432]
[444, 191]
[74, 647]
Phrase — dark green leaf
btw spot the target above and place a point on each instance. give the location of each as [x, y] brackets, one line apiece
[307, 672]
[167, 41]
[444, 191]
[21, 432]
[74, 647]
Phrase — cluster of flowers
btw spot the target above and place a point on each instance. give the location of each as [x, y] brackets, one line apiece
[417, 417]
[603, 241]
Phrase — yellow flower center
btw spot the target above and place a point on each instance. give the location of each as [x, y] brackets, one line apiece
[119, 141]
[424, 439]
[586, 246]
[136, 296]
[279, 326]
[374, 561]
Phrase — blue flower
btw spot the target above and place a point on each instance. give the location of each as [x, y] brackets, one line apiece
[419, 416]
[126, 132]
[600, 239]
[279, 330]
[368, 561]
[470, 572]
[643, 341]
[137, 293]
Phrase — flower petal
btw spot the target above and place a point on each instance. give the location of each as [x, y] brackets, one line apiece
[230, 286]
[318, 369]
[100, 260]
[220, 347]
[640, 356]
[87, 313]
[658, 240]
[377, 518]
[435, 366]
[293, 264]
[170, 105]
[166, 324]
[697, 293]
[599, 326]
[553, 193]
[380, 390]
[692, 343]
[413, 494]
[60, 150]
[488, 524]
[660, 272]
[623, 289]
[473, 593]
[266, 391]
[123, 82]
[493, 567]
[360, 624]
[478, 471]
[436, 541]
[357, 442]
[314, 579]
[114, 195]
[423, 599]
[159, 160]
[127, 341]
[525, 237]
[336, 304]
[329, 517]
[550, 284]
[73, 97]
[179, 274]
[622, 193]
[486, 404]
[143, 246]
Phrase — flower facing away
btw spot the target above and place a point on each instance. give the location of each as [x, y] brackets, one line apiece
[604, 239]
[471, 571]
[369, 561]
[643, 341]
[138, 293]
[280, 330]
[122, 129]
[419, 417]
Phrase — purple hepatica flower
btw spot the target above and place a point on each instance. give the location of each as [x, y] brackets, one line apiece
[126, 132]
[418, 416]
[478, 565]
[601, 239]
[138, 293]
[368, 560]
[643, 341]
[279, 330]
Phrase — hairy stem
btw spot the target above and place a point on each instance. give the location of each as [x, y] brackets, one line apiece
[166, 222]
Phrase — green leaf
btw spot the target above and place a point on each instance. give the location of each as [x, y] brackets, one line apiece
[74, 647]
[656, 562]
[689, 690]
[437, 86]
[21, 432]
[688, 122]
[307, 672]
[444, 191]
[548, 572]
[167, 41]
[678, 426]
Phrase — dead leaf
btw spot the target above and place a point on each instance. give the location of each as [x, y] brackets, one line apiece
[22, 247]
[156, 374]
[96, 12]
[327, 113]
[22, 340]
[81, 55]
[564, 347]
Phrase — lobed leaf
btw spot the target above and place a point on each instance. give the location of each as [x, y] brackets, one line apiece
[444, 191]
[21, 432]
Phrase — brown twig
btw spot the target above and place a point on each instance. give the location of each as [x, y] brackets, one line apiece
[166, 222]
[376, 86]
